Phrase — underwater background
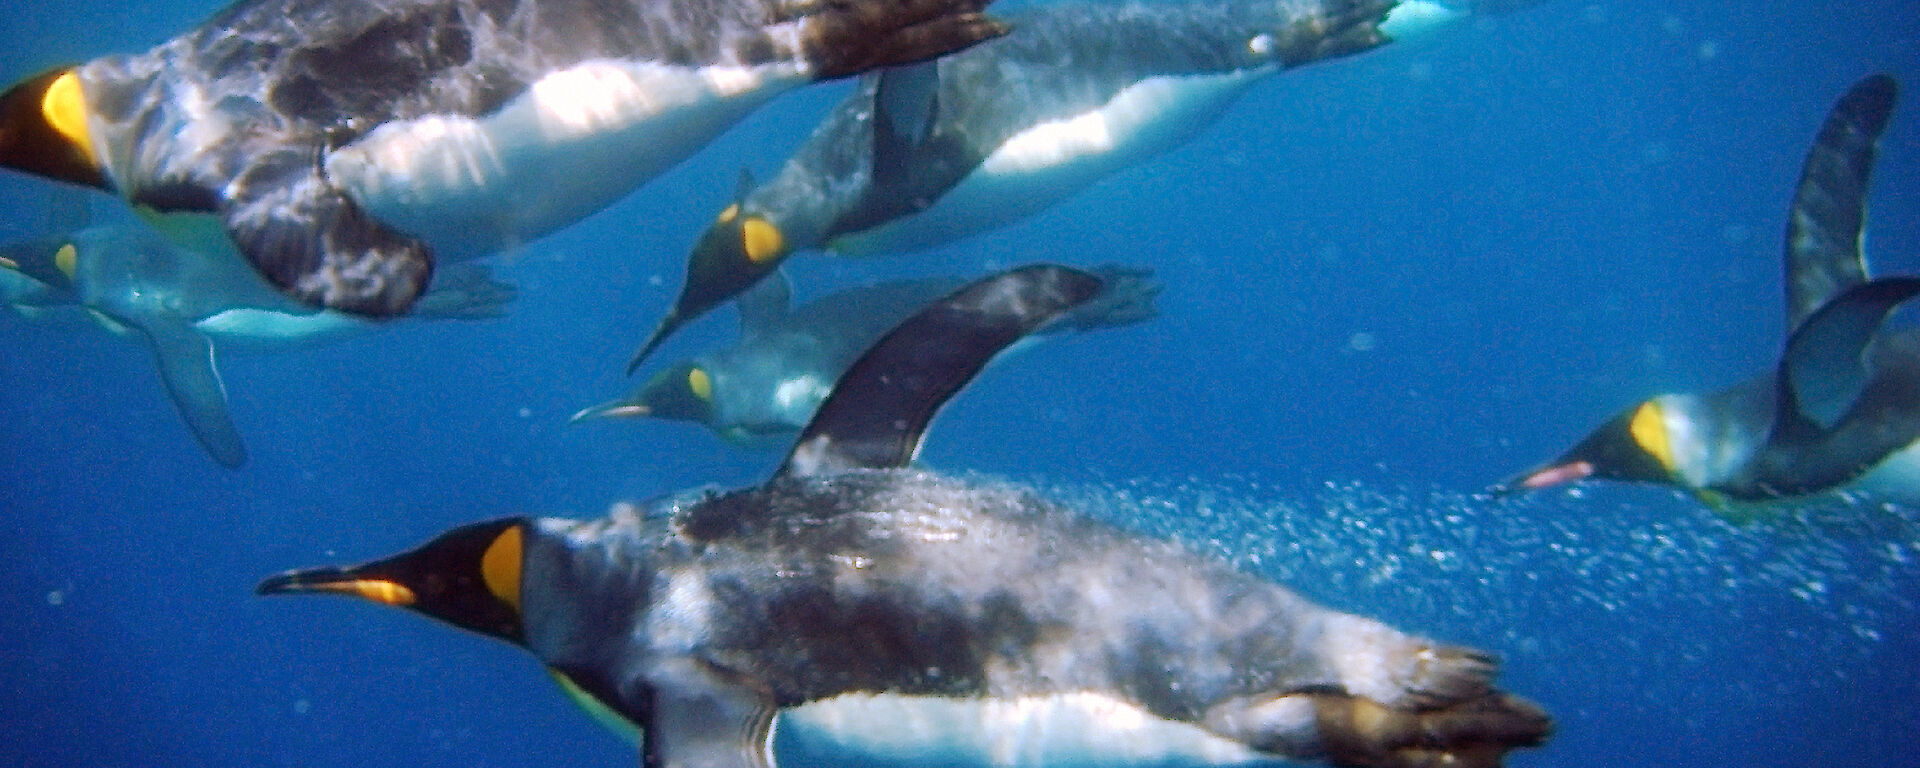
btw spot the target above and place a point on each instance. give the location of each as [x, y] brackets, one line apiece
[1391, 281]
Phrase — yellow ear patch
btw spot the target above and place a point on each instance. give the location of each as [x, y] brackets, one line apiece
[67, 259]
[727, 216]
[700, 384]
[1649, 430]
[9, 263]
[500, 566]
[761, 240]
[64, 106]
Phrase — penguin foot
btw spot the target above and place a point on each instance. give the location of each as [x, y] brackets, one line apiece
[1476, 733]
[847, 37]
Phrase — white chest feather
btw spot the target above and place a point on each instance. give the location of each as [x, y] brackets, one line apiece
[1050, 161]
[1075, 729]
[576, 141]
[259, 330]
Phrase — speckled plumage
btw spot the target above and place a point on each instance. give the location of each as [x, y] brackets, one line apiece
[347, 144]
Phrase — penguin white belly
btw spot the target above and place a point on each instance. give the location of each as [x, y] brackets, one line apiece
[1074, 729]
[1048, 162]
[1895, 479]
[260, 330]
[575, 142]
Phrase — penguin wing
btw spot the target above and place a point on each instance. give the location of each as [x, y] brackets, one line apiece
[1126, 298]
[466, 291]
[1825, 224]
[1825, 367]
[699, 719]
[185, 359]
[906, 102]
[763, 305]
[879, 409]
[313, 242]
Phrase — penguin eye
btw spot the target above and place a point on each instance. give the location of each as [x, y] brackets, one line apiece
[700, 384]
[761, 240]
[9, 264]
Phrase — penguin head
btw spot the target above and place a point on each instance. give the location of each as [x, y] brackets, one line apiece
[735, 252]
[50, 262]
[44, 130]
[683, 392]
[738, 249]
[468, 577]
[1635, 446]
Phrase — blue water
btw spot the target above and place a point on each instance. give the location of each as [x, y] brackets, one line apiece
[1391, 281]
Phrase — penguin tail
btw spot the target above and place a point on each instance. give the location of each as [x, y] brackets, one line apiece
[841, 38]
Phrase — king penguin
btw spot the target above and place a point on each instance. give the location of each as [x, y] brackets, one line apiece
[920, 156]
[759, 392]
[1841, 410]
[343, 146]
[872, 605]
[187, 305]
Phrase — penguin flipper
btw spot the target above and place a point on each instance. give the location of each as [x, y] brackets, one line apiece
[465, 292]
[878, 411]
[764, 304]
[906, 103]
[186, 363]
[700, 720]
[1825, 368]
[1126, 298]
[316, 245]
[1824, 225]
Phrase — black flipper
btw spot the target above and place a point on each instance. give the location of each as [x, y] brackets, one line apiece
[879, 409]
[1825, 367]
[906, 103]
[699, 719]
[1824, 226]
[314, 243]
[1126, 298]
[185, 359]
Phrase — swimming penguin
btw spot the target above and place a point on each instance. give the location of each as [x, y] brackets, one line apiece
[343, 146]
[187, 304]
[924, 155]
[1841, 412]
[851, 597]
[761, 391]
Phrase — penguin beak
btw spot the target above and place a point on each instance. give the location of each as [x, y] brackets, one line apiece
[667, 326]
[1544, 477]
[618, 409]
[339, 581]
